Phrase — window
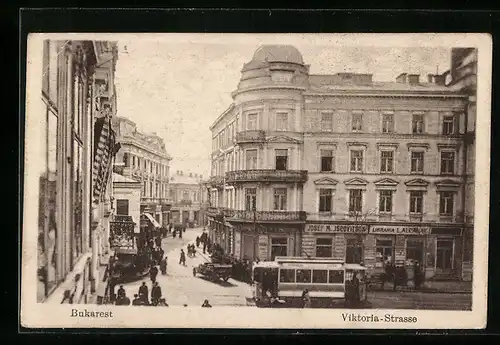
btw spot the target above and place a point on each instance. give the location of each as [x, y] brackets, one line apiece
[387, 123]
[446, 203]
[279, 247]
[326, 160]
[385, 201]
[386, 161]
[326, 122]
[356, 160]
[304, 276]
[417, 162]
[250, 199]
[324, 247]
[355, 200]
[281, 159]
[126, 159]
[151, 189]
[416, 202]
[320, 276]
[384, 252]
[448, 125]
[287, 276]
[157, 195]
[281, 121]
[251, 159]
[447, 163]
[354, 251]
[417, 124]
[357, 122]
[325, 200]
[251, 122]
[280, 199]
[122, 207]
[335, 277]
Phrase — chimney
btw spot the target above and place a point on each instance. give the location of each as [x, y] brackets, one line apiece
[440, 80]
[414, 79]
[402, 78]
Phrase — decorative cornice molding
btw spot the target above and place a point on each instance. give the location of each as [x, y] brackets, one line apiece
[417, 145]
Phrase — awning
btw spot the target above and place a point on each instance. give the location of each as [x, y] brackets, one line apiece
[152, 220]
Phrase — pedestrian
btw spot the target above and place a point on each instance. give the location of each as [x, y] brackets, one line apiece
[197, 241]
[182, 259]
[163, 266]
[143, 292]
[204, 247]
[111, 288]
[188, 249]
[137, 300]
[306, 299]
[180, 233]
[123, 300]
[155, 294]
[153, 272]
[158, 241]
[121, 291]
[206, 304]
[162, 253]
[174, 233]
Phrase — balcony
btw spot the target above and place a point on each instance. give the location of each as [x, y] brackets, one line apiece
[219, 212]
[267, 175]
[254, 136]
[268, 216]
[155, 201]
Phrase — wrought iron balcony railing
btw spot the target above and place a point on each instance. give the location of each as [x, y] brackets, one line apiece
[260, 216]
[253, 136]
[220, 212]
[266, 175]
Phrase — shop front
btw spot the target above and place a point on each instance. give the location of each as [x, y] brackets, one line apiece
[266, 242]
[437, 249]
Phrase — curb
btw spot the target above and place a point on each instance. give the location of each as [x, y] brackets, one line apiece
[458, 292]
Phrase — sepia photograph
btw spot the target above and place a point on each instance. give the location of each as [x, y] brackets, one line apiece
[332, 181]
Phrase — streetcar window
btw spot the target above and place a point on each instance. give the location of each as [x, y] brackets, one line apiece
[320, 276]
[257, 274]
[287, 276]
[304, 276]
[335, 277]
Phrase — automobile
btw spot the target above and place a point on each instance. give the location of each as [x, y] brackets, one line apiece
[214, 271]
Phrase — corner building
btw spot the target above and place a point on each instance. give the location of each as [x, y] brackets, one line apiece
[340, 166]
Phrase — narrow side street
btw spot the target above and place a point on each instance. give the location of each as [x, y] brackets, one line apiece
[180, 287]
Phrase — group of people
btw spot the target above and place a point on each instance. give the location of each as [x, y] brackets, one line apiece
[398, 275]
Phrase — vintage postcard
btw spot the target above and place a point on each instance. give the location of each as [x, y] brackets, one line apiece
[256, 181]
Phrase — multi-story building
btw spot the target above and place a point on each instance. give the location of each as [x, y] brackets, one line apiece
[127, 199]
[74, 146]
[145, 159]
[186, 193]
[340, 166]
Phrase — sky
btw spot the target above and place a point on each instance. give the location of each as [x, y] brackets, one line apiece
[177, 89]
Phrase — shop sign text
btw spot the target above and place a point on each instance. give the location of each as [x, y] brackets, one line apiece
[400, 230]
[337, 228]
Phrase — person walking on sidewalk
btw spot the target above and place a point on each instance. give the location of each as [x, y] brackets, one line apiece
[153, 272]
[197, 241]
[155, 294]
[143, 293]
[182, 258]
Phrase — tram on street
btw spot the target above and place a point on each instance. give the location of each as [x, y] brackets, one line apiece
[282, 282]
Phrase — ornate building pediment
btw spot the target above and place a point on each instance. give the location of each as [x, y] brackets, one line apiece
[447, 183]
[386, 182]
[283, 139]
[325, 181]
[417, 182]
[356, 182]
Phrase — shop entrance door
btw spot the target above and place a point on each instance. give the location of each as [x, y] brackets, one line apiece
[248, 247]
[444, 256]
[415, 250]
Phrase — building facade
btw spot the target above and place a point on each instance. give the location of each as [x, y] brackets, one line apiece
[127, 198]
[145, 159]
[340, 166]
[186, 193]
[76, 149]
[463, 76]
